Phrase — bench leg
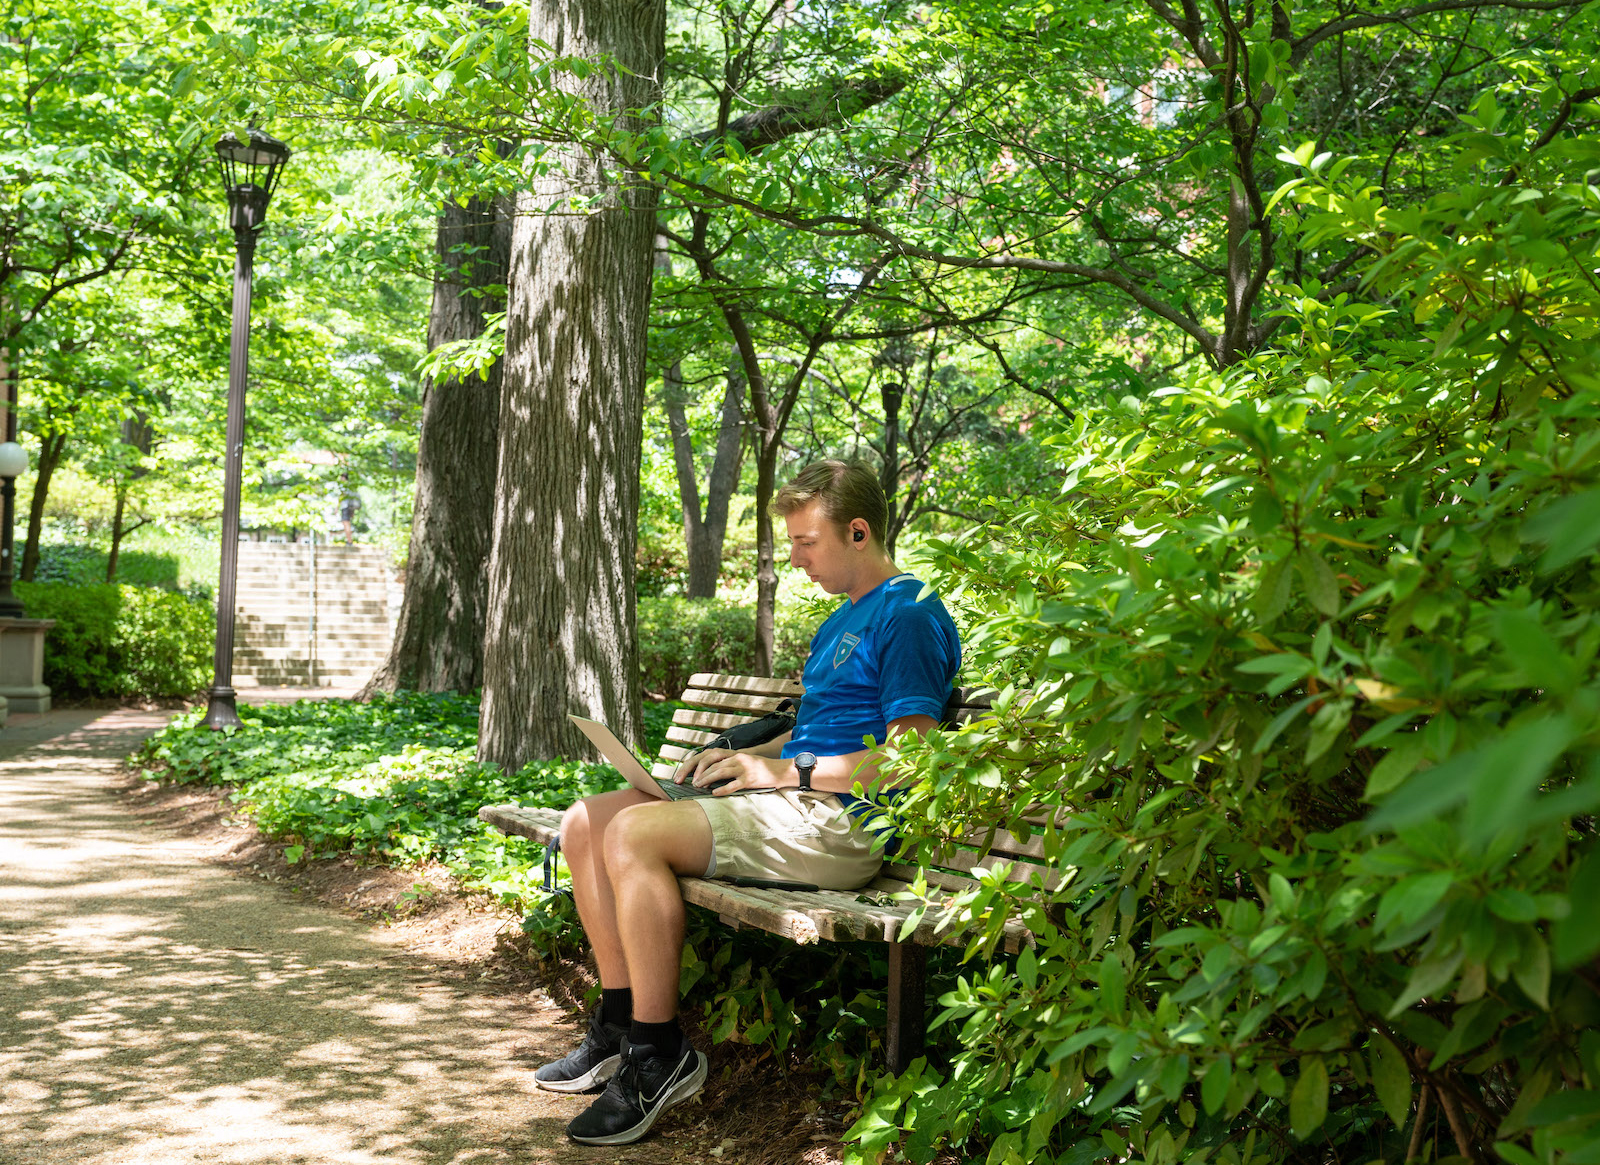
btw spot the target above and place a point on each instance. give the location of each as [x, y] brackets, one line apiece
[908, 1013]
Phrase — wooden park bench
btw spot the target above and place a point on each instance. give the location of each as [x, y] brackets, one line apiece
[869, 914]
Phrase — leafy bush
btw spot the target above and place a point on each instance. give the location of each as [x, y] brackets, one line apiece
[80, 565]
[1310, 651]
[393, 780]
[679, 637]
[118, 640]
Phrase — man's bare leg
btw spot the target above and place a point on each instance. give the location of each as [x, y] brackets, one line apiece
[647, 848]
[582, 840]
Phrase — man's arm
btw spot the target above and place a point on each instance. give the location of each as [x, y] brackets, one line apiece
[757, 768]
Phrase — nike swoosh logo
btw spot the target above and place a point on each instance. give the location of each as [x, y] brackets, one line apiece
[666, 1084]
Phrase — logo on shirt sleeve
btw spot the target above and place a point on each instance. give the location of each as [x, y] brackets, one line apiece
[847, 644]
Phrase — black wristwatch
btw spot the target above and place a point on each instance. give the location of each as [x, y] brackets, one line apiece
[803, 764]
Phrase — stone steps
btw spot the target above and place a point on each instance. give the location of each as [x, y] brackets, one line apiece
[272, 625]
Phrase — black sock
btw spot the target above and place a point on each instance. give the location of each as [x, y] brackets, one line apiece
[665, 1038]
[616, 1005]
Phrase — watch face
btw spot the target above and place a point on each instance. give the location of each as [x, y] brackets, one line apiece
[805, 760]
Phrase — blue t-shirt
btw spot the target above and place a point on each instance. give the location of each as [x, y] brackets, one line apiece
[872, 661]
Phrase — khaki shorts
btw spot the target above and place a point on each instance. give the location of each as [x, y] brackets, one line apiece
[789, 834]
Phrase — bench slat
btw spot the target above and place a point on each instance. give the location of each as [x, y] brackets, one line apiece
[830, 915]
[688, 737]
[541, 825]
[1005, 844]
[758, 685]
[963, 861]
[769, 910]
[715, 721]
[732, 701]
[969, 697]
[894, 878]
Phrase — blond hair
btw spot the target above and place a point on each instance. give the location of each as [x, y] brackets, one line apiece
[847, 490]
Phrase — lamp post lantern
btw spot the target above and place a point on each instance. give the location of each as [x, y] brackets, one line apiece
[250, 172]
[13, 463]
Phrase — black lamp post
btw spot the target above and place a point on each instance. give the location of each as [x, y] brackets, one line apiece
[250, 172]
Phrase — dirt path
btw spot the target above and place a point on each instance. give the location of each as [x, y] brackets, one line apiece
[155, 1008]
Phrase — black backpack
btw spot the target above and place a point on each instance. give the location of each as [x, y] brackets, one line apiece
[771, 726]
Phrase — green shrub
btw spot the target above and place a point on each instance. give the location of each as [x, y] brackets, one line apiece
[80, 565]
[679, 637]
[122, 641]
[1312, 650]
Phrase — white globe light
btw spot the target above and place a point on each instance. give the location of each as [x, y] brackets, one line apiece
[13, 459]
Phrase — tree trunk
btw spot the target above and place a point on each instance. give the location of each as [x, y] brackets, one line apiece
[51, 449]
[560, 635]
[116, 532]
[138, 434]
[438, 641]
[893, 394]
[705, 534]
[770, 444]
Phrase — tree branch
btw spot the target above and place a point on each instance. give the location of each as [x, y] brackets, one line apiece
[1563, 115]
[1302, 47]
[820, 109]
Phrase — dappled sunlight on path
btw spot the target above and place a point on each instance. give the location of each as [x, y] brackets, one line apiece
[157, 1009]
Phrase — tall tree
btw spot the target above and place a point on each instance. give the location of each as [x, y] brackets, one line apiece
[705, 526]
[438, 643]
[560, 635]
[89, 185]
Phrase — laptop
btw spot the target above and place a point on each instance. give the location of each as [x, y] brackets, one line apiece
[632, 768]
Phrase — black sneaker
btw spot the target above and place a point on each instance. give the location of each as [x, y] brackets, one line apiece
[645, 1086]
[594, 1062]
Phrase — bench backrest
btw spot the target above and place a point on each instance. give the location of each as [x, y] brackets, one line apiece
[722, 701]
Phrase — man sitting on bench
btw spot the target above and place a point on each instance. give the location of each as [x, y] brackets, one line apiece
[880, 665]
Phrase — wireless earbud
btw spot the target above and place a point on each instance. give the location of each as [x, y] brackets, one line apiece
[857, 536]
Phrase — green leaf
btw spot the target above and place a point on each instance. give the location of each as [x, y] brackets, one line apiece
[1279, 722]
[294, 853]
[1214, 1087]
[1308, 1103]
[1427, 978]
[1532, 971]
[1512, 905]
[1322, 588]
[1534, 651]
[1277, 664]
[1028, 968]
[1113, 984]
[1411, 898]
[1397, 764]
[1272, 595]
[1569, 529]
[1502, 794]
[1577, 937]
[1391, 1078]
[1326, 727]
[1499, 778]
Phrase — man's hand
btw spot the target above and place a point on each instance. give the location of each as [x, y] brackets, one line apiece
[741, 771]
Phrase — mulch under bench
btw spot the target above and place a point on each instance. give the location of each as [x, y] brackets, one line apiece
[870, 914]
